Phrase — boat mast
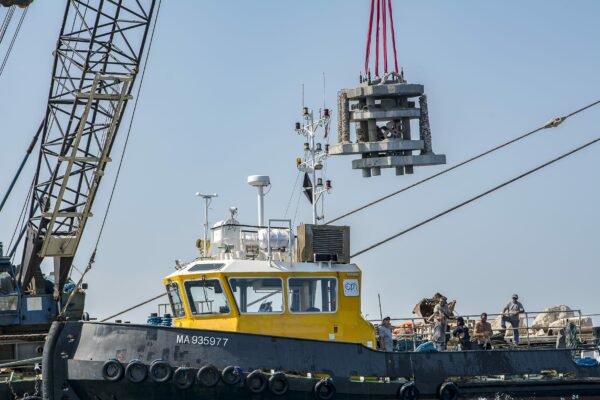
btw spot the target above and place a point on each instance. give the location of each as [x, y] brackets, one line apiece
[207, 197]
[314, 157]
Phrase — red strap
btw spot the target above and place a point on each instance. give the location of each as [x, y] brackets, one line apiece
[377, 42]
[382, 16]
[393, 35]
[384, 19]
[368, 51]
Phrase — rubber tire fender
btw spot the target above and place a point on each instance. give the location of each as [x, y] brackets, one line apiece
[278, 384]
[156, 367]
[408, 391]
[232, 375]
[116, 366]
[130, 370]
[184, 378]
[256, 381]
[208, 376]
[448, 391]
[324, 389]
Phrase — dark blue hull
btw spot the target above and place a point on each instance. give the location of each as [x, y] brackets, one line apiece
[76, 355]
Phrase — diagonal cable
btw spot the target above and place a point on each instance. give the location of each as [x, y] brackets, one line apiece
[472, 199]
[13, 40]
[553, 123]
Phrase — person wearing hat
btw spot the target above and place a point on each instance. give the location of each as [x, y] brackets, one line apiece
[510, 314]
[384, 335]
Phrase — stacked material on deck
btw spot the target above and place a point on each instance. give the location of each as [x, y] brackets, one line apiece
[554, 318]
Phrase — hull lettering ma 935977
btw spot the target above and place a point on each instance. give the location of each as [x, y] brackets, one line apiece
[202, 340]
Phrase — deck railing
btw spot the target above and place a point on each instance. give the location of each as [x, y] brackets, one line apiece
[416, 328]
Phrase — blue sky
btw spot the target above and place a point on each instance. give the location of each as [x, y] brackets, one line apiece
[222, 92]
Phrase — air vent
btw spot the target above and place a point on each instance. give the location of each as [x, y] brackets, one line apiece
[324, 243]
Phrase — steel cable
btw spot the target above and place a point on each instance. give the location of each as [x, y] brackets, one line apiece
[134, 307]
[550, 124]
[6, 22]
[292, 195]
[21, 221]
[472, 199]
[12, 42]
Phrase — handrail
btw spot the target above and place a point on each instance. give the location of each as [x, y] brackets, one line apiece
[422, 329]
[469, 316]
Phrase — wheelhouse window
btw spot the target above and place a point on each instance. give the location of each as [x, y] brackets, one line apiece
[206, 297]
[312, 295]
[175, 300]
[257, 295]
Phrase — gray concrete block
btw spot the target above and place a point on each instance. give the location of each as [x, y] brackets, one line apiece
[398, 161]
[383, 90]
[370, 147]
[361, 115]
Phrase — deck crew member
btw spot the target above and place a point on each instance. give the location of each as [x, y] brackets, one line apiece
[571, 334]
[439, 330]
[561, 339]
[384, 335]
[462, 333]
[442, 308]
[483, 333]
[510, 314]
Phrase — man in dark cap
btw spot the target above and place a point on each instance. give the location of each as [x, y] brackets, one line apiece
[510, 314]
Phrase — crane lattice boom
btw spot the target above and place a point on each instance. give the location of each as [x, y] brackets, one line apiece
[97, 59]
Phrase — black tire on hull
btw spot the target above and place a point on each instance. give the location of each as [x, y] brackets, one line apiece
[448, 391]
[408, 391]
[160, 371]
[208, 376]
[183, 378]
[256, 382]
[136, 371]
[231, 375]
[112, 370]
[278, 384]
[324, 389]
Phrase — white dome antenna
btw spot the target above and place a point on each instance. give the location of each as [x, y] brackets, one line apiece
[260, 182]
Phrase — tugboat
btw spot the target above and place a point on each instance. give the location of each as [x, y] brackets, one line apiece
[268, 312]
[264, 318]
